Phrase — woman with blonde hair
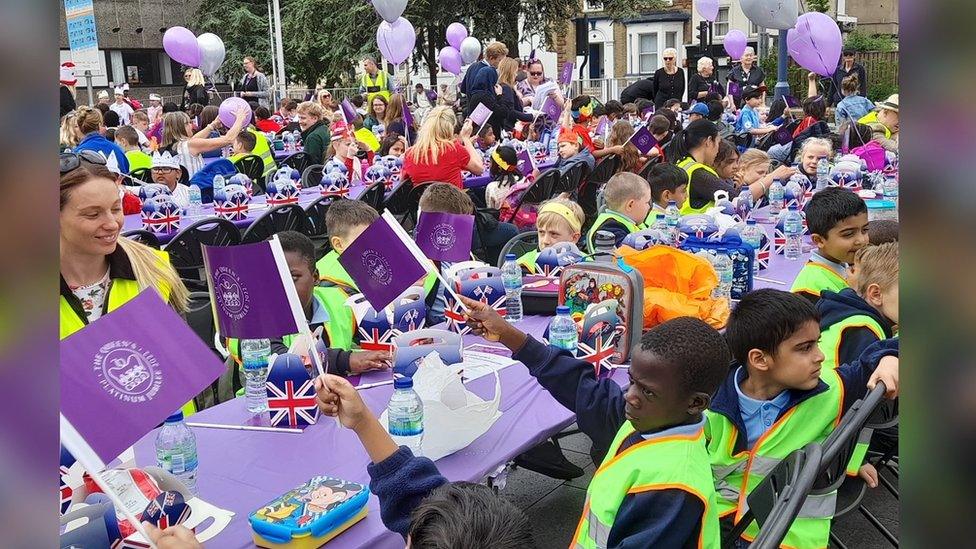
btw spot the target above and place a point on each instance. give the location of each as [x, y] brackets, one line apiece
[91, 126]
[394, 120]
[100, 269]
[508, 102]
[179, 138]
[69, 135]
[195, 90]
[437, 155]
[325, 101]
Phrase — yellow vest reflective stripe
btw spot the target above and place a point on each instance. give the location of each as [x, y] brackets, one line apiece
[263, 149]
[690, 165]
[667, 463]
[375, 87]
[736, 475]
[830, 338]
[527, 261]
[871, 119]
[603, 218]
[814, 278]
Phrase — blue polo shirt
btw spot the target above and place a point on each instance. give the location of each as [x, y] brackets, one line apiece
[748, 120]
[758, 415]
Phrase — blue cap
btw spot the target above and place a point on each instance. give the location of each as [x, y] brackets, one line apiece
[698, 108]
[403, 382]
[562, 310]
[178, 416]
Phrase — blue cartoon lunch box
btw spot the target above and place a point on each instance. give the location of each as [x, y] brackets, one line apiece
[309, 515]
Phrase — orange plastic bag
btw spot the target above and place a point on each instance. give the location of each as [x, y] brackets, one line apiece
[676, 283]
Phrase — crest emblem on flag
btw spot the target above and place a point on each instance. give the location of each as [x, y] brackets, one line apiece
[334, 184]
[160, 214]
[282, 191]
[600, 330]
[127, 371]
[291, 393]
[233, 206]
[232, 295]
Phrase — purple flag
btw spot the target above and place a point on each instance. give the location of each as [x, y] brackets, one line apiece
[735, 90]
[551, 108]
[444, 236]
[601, 126]
[643, 140]
[525, 162]
[407, 117]
[791, 102]
[348, 111]
[247, 292]
[566, 74]
[783, 135]
[480, 114]
[647, 111]
[382, 264]
[124, 374]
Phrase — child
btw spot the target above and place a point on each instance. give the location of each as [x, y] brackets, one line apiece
[727, 161]
[673, 105]
[812, 150]
[575, 117]
[393, 145]
[653, 487]
[344, 148]
[853, 107]
[559, 220]
[446, 198]
[628, 199]
[155, 108]
[344, 222]
[127, 138]
[618, 143]
[748, 121]
[486, 138]
[660, 127]
[505, 175]
[838, 223]
[571, 152]
[669, 183]
[244, 145]
[263, 121]
[854, 318]
[416, 501]
[140, 121]
[778, 398]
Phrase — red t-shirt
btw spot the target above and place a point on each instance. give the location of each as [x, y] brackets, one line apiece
[581, 130]
[447, 169]
[804, 124]
[268, 125]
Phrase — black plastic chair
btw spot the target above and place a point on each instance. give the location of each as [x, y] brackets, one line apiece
[252, 166]
[519, 245]
[143, 236]
[572, 180]
[586, 197]
[403, 203]
[142, 174]
[646, 170]
[317, 211]
[287, 217]
[298, 161]
[374, 195]
[539, 192]
[185, 251]
[312, 176]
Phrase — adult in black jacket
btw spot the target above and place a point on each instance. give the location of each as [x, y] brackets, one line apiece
[195, 90]
[704, 82]
[669, 80]
[508, 104]
[848, 66]
[642, 89]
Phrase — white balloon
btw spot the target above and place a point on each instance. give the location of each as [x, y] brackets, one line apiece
[390, 10]
[470, 50]
[211, 52]
[772, 14]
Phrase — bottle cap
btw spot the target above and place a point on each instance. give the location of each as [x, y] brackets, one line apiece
[672, 203]
[509, 257]
[403, 382]
[178, 416]
[562, 310]
[793, 207]
[750, 221]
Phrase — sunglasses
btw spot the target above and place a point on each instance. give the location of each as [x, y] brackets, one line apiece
[71, 161]
[669, 58]
[534, 73]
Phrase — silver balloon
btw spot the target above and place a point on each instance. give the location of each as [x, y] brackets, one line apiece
[390, 10]
[470, 50]
[211, 52]
[772, 14]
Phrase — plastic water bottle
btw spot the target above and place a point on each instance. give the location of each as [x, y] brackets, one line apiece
[793, 229]
[776, 197]
[254, 356]
[723, 267]
[823, 173]
[752, 235]
[671, 217]
[553, 147]
[218, 187]
[743, 204]
[406, 415]
[296, 138]
[562, 330]
[512, 280]
[890, 188]
[176, 450]
[195, 207]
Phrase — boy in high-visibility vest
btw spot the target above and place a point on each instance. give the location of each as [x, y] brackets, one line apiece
[668, 183]
[837, 220]
[559, 220]
[653, 487]
[344, 222]
[628, 198]
[854, 318]
[777, 399]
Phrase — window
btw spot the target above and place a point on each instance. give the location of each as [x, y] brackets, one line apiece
[140, 67]
[593, 5]
[647, 53]
[722, 22]
[753, 29]
[671, 40]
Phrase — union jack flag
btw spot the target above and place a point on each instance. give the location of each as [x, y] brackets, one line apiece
[66, 491]
[549, 270]
[372, 340]
[167, 509]
[762, 254]
[297, 407]
[598, 354]
[279, 199]
[484, 295]
[157, 221]
[335, 186]
[454, 316]
[233, 210]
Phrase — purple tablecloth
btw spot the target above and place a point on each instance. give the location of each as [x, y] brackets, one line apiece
[243, 470]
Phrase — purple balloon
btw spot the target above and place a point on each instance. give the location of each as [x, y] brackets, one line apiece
[396, 41]
[450, 60]
[227, 108]
[735, 43]
[708, 9]
[456, 33]
[815, 44]
[181, 46]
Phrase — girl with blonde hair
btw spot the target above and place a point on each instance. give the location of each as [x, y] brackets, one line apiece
[437, 155]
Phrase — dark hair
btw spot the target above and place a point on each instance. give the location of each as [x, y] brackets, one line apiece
[579, 102]
[128, 135]
[357, 100]
[659, 124]
[643, 104]
[248, 139]
[445, 198]
[881, 231]
[693, 348]
[469, 515]
[110, 134]
[194, 110]
[102, 107]
[712, 96]
[726, 153]
[289, 104]
[764, 319]
[694, 135]
[343, 215]
[510, 157]
[296, 242]
[776, 109]
[169, 106]
[815, 107]
[209, 114]
[389, 140]
[665, 177]
[110, 119]
[830, 206]
[613, 107]
[672, 118]
[715, 110]
[861, 134]
[670, 103]
[262, 113]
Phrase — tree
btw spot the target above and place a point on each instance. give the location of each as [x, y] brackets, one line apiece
[243, 26]
[823, 6]
[324, 39]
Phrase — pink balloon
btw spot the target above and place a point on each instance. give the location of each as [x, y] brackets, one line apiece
[450, 60]
[456, 33]
[181, 46]
[708, 9]
[815, 43]
[227, 109]
[396, 41]
[735, 43]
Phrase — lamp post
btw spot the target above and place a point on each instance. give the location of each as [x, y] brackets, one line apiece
[782, 85]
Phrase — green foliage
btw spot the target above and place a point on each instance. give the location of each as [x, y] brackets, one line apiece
[823, 6]
[325, 39]
[243, 26]
[859, 41]
[880, 92]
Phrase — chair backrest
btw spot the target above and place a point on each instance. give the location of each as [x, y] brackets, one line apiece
[777, 500]
[184, 175]
[601, 174]
[540, 191]
[519, 245]
[185, 252]
[298, 161]
[143, 236]
[572, 180]
[646, 170]
[373, 195]
[142, 174]
[312, 176]
[252, 166]
[317, 211]
[287, 217]
[839, 445]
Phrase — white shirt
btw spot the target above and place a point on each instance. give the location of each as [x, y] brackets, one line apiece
[181, 195]
[192, 162]
[124, 110]
[143, 140]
